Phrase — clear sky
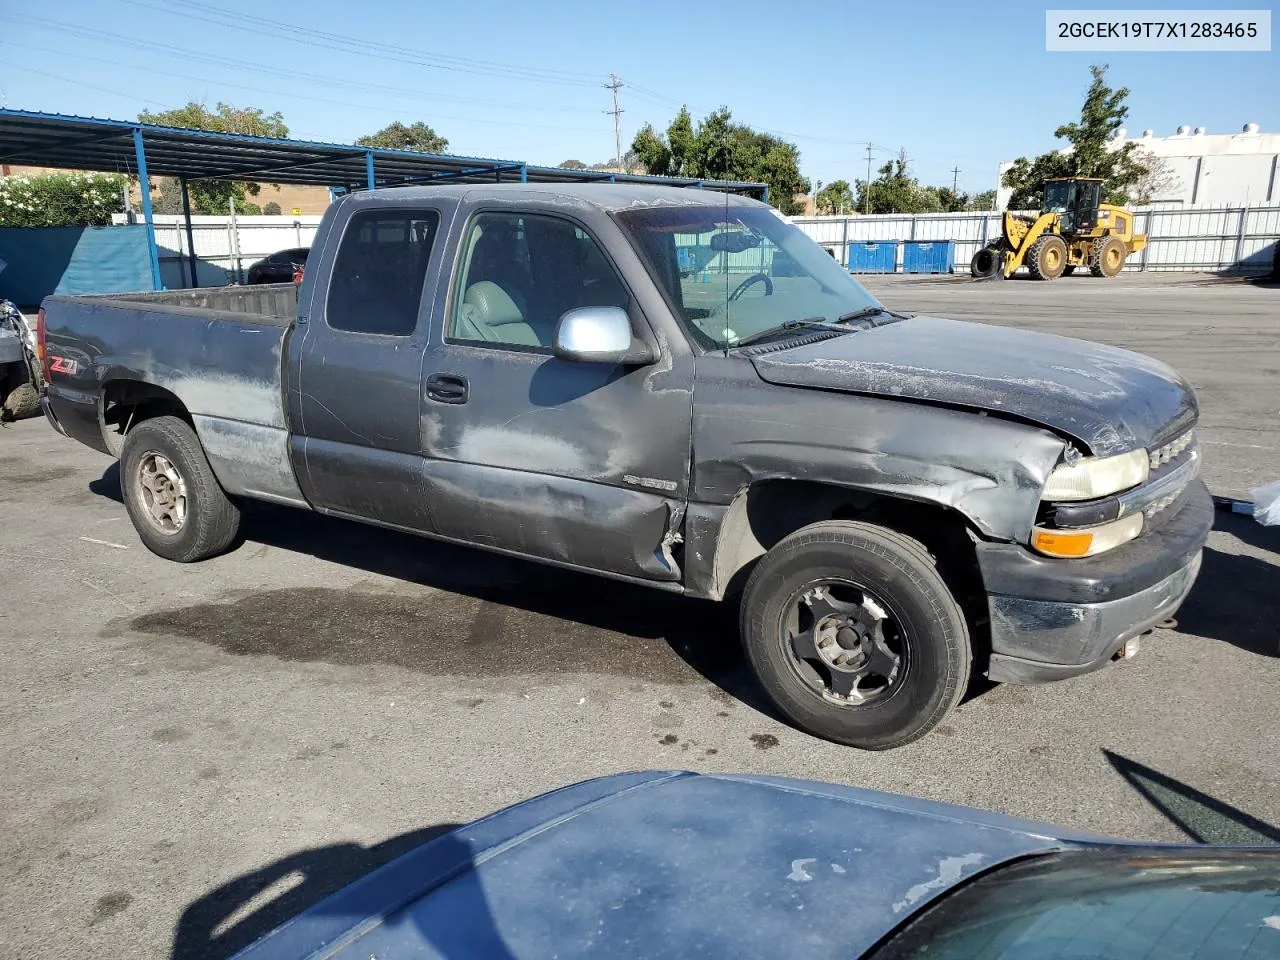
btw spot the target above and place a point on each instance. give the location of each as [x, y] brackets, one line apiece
[955, 84]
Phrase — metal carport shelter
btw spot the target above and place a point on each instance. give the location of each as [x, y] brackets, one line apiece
[143, 150]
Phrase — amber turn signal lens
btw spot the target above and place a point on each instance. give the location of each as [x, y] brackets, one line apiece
[1055, 543]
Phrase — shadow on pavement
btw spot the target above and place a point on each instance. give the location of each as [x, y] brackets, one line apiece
[234, 915]
[1201, 817]
[630, 618]
[1234, 596]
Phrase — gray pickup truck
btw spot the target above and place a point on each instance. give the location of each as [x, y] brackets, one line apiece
[675, 388]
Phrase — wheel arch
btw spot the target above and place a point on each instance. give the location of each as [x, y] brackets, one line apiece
[127, 401]
[766, 511]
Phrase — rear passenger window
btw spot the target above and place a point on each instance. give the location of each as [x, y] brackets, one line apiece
[378, 275]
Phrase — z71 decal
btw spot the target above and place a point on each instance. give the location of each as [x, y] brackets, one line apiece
[62, 365]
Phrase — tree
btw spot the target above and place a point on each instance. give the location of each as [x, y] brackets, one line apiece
[835, 198]
[1156, 180]
[719, 149]
[419, 138]
[271, 209]
[573, 165]
[986, 200]
[216, 196]
[895, 191]
[1094, 151]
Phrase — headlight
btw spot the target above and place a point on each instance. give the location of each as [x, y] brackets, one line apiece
[1086, 541]
[1094, 477]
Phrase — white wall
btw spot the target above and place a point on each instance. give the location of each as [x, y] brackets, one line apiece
[1237, 169]
[1199, 238]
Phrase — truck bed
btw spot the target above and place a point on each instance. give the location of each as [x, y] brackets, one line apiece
[274, 300]
[217, 351]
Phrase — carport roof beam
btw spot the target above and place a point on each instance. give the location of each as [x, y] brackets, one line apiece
[92, 143]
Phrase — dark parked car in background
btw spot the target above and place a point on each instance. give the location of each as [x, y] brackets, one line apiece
[279, 267]
[736, 866]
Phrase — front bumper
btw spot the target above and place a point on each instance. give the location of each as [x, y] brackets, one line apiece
[1052, 619]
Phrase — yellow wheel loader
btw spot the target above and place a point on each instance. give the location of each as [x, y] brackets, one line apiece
[1073, 230]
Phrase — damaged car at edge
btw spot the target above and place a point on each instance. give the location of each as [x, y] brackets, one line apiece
[675, 388]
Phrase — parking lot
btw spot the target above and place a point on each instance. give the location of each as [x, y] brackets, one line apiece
[192, 753]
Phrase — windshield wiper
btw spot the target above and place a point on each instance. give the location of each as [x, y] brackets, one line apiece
[867, 313]
[816, 323]
[840, 324]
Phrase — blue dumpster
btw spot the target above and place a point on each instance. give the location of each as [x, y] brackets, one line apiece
[927, 256]
[874, 256]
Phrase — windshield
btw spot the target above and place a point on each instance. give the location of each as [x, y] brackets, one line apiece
[1057, 196]
[734, 272]
[1119, 905]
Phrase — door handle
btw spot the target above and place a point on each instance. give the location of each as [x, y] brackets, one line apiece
[447, 388]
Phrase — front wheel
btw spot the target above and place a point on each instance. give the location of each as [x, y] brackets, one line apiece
[174, 500]
[854, 635]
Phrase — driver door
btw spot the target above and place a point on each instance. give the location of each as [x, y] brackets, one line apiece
[580, 463]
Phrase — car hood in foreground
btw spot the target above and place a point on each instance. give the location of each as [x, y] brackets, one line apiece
[666, 865]
[1110, 400]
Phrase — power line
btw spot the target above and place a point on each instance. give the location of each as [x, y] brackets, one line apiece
[368, 48]
[615, 85]
[300, 96]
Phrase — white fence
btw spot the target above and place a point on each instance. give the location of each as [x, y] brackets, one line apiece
[224, 250]
[1218, 239]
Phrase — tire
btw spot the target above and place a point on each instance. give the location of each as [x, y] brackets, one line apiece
[1047, 257]
[21, 402]
[206, 521]
[986, 263]
[920, 618]
[1069, 269]
[1107, 257]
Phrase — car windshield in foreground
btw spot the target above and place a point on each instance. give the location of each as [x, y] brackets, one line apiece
[1132, 904]
[734, 274]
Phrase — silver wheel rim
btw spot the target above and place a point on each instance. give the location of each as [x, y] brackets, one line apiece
[844, 642]
[162, 493]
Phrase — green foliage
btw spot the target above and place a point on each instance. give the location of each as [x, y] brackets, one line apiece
[719, 149]
[895, 191]
[1093, 151]
[216, 196]
[271, 209]
[61, 199]
[224, 118]
[418, 137]
[573, 165]
[986, 200]
[207, 196]
[835, 198]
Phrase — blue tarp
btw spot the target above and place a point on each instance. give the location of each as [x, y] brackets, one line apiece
[72, 260]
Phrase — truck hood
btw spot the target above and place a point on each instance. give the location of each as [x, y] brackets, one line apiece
[1108, 399]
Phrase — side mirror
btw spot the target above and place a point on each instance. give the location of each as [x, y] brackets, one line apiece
[600, 335]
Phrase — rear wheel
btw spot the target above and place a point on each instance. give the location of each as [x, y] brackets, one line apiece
[1047, 257]
[854, 635]
[175, 502]
[1108, 256]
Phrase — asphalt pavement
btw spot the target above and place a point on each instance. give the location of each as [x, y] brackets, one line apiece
[190, 753]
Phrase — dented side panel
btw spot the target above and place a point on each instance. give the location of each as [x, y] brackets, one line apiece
[746, 431]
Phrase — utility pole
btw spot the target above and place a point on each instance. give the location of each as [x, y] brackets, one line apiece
[866, 200]
[615, 85]
[955, 178]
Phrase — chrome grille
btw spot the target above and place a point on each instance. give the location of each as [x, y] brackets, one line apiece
[1170, 451]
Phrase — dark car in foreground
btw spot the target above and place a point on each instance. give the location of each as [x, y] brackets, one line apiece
[279, 267]
[646, 865]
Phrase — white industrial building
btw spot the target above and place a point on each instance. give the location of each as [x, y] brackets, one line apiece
[1206, 169]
